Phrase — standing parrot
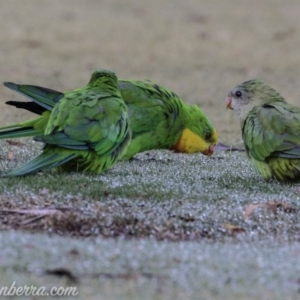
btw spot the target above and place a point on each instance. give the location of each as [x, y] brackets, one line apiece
[270, 129]
[158, 118]
[86, 130]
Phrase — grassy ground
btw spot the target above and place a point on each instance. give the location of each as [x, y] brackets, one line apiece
[170, 228]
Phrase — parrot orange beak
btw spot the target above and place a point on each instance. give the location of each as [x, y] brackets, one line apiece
[228, 102]
[209, 151]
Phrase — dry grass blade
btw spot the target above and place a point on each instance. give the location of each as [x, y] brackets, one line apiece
[282, 205]
[223, 147]
[272, 205]
[43, 211]
[15, 143]
[10, 155]
[233, 228]
[31, 220]
[250, 209]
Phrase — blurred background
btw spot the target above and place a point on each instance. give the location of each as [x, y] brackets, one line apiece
[199, 49]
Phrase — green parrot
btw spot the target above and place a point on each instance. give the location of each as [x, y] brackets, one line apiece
[86, 130]
[270, 129]
[158, 118]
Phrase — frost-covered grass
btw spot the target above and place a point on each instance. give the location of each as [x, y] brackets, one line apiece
[153, 228]
[148, 269]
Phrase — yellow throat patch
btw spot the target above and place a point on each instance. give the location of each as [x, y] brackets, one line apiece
[190, 142]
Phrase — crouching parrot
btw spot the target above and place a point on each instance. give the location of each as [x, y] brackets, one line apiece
[86, 130]
[270, 129]
[158, 118]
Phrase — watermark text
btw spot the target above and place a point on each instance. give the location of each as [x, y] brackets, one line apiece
[31, 290]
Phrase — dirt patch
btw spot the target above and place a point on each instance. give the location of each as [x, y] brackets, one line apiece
[81, 218]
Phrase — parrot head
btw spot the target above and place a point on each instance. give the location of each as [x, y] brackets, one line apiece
[102, 76]
[199, 134]
[249, 94]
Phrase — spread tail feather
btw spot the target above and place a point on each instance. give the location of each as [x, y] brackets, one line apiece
[10, 132]
[34, 127]
[44, 97]
[44, 161]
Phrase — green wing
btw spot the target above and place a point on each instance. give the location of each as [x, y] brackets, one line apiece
[87, 129]
[149, 105]
[87, 120]
[154, 114]
[273, 130]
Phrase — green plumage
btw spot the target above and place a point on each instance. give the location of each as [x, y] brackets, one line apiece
[86, 130]
[157, 116]
[270, 129]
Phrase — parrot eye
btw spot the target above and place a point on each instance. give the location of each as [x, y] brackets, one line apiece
[238, 94]
[207, 135]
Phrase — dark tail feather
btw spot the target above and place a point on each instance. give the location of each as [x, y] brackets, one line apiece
[44, 97]
[43, 161]
[30, 106]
